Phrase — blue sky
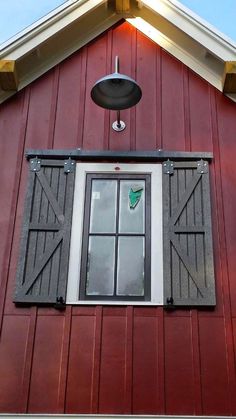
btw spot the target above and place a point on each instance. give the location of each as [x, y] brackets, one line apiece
[15, 15]
[220, 14]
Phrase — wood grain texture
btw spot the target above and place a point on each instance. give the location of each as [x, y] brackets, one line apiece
[215, 387]
[80, 369]
[145, 365]
[122, 140]
[46, 366]
[112, 365]
[12, 127]
[8, 75]
[179, 373]
[173, 132]
[13, 353]
[147, 108]
[115, 359]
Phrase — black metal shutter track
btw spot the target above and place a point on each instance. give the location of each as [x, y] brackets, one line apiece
[187, 235]
[43, 264]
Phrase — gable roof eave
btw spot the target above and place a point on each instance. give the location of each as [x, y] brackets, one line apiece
[166, 22]
[195, 27]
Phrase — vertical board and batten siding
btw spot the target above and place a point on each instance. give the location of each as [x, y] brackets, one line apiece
[119, 359]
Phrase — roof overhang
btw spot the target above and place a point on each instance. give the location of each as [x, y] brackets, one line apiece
[166, 22]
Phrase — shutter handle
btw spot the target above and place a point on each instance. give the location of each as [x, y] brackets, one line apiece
[170, 303]
[170, 300]
[60, 303]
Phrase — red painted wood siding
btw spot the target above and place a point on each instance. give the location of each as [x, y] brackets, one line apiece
[119, 359]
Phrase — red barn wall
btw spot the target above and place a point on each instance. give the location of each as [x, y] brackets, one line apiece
[119, 359]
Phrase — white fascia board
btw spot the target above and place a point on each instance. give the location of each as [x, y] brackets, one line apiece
[34, 25]
[198, 66]
[171, 10]
[204, 23]
[32, 74]
[193, 26]
[193, 29]
[47, 29]
[39, 61]
[58, 58]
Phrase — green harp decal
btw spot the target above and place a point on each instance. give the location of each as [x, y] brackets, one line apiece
[135, 194]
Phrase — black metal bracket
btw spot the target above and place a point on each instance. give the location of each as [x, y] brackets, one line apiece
[60, 303]
[168, 167]
[169, 304]
[35, 164]
[202, 167]
[69, 165]
[170, 300]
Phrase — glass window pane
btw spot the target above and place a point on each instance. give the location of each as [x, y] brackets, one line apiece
[103, 206]
[100, 269]
[130, 268]
[132, 197]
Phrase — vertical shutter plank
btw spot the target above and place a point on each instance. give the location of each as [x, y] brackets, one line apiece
[175, 264]
[47, 189]
[184, 198]
[208, 238]
[24, 238]
[187, 265]
[32, 251]
[40, 216]
[199, 237]
[60, 187]
[176, 271]
[42, 271]
[166, 247]
[191, 243]
[34, 275]
[67, 224]
[50, 217]
[184, 283]
[188, 250]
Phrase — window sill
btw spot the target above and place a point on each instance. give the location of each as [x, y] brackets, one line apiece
[115, 303]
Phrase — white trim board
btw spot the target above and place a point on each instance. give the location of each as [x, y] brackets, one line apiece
[39, 22]
[194, 26]
[155, 170]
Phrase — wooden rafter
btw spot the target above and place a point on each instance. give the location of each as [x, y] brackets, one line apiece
[229, 83]
[8, 75]
[122, 6]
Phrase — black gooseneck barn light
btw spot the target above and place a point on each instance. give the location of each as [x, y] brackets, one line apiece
[116, 92]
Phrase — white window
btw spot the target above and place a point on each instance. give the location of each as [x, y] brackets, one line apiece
[116, 253]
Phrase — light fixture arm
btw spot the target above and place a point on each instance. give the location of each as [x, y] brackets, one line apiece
[118, 117]
[118, 125]
[117, 64]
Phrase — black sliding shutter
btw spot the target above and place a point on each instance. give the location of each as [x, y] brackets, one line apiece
[188, 254]
[43, 265]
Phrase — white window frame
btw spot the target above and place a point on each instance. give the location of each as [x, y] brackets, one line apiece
[155, 170]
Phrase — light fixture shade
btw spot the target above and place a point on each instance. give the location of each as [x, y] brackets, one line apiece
[116, 92]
